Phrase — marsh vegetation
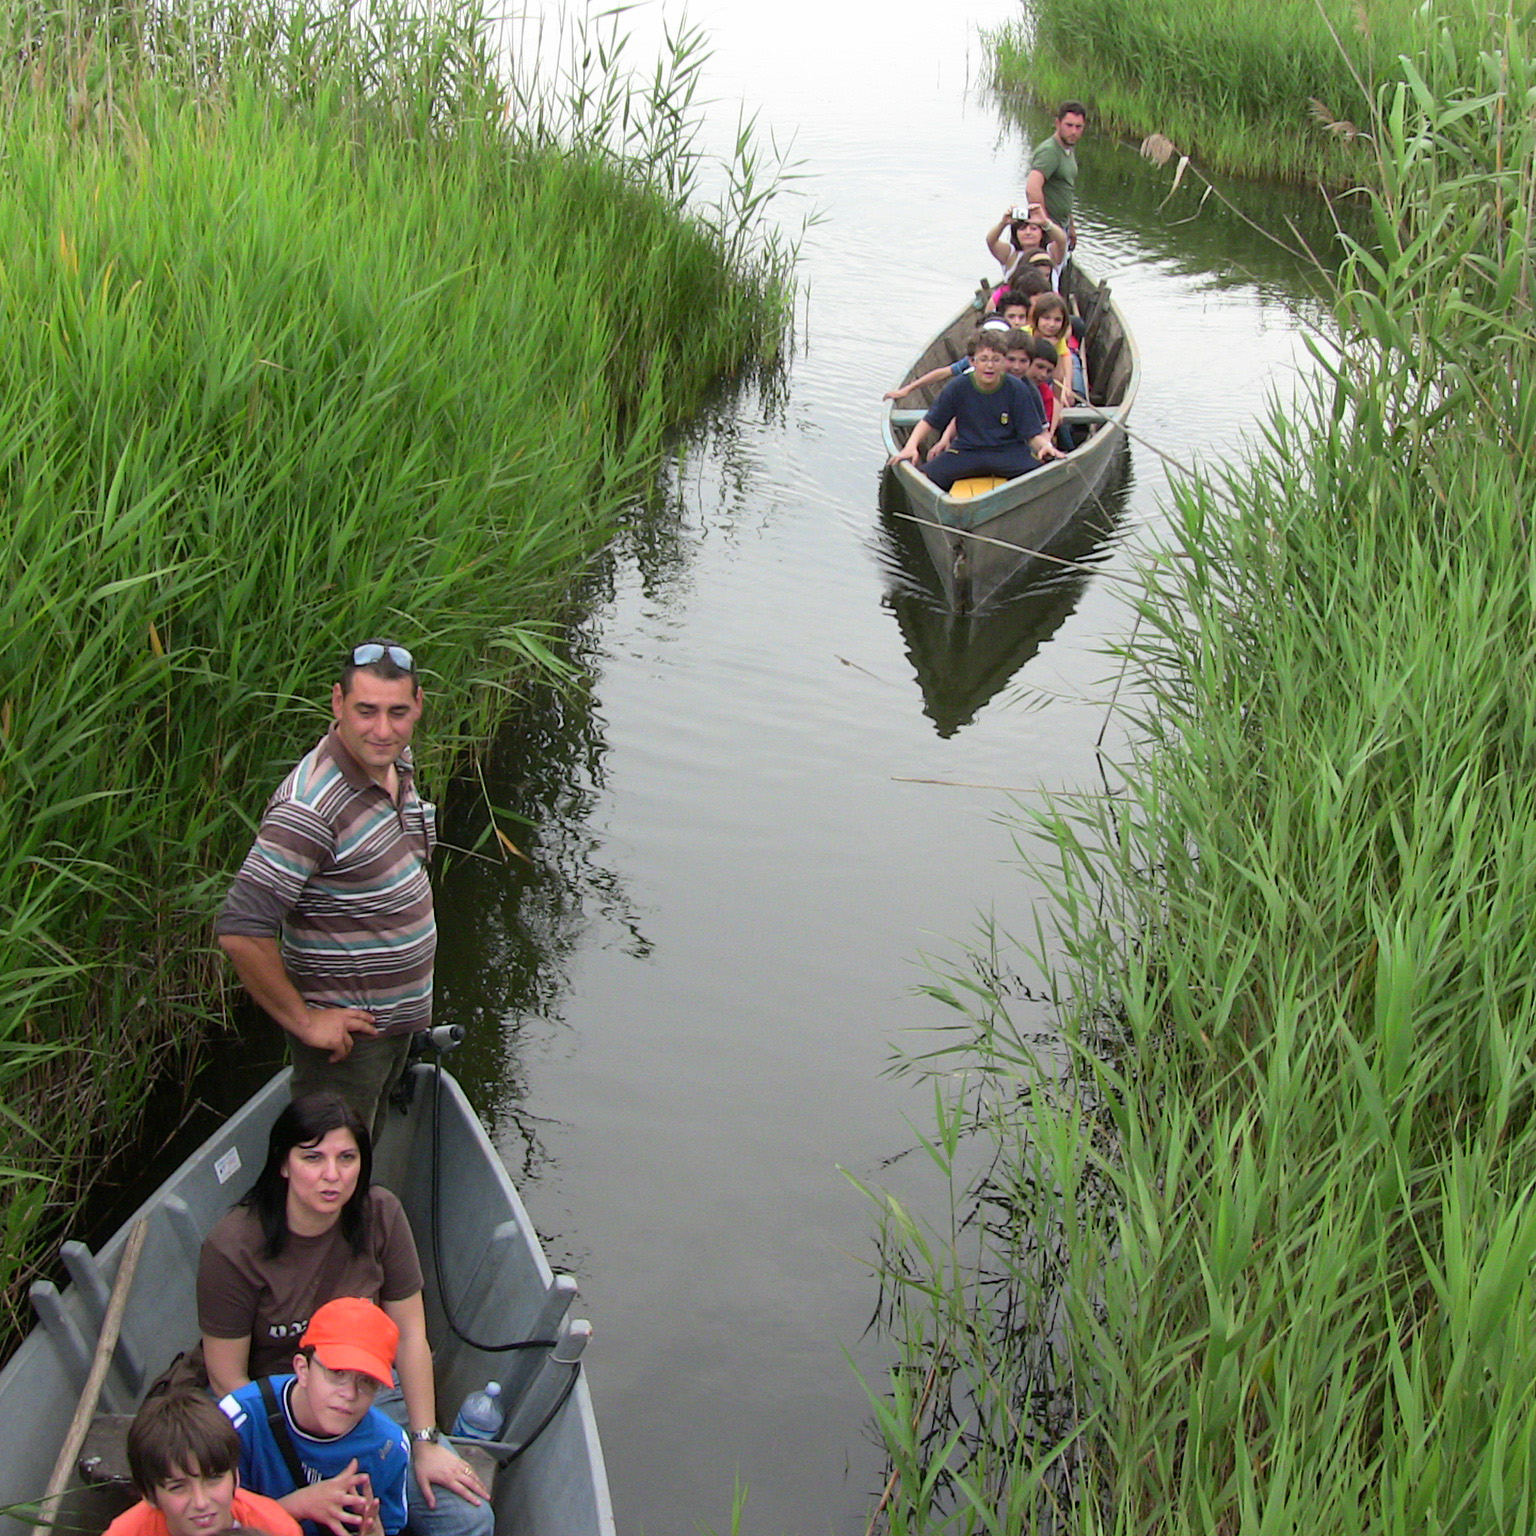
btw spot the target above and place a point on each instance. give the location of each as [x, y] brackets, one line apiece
[1286, 90]
[320, 322]
[1242, 1232]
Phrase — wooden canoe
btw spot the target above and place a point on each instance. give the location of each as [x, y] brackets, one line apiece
[498, 1283]
[982, 543]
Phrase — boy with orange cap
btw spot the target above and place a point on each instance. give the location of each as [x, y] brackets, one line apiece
[314, 1441]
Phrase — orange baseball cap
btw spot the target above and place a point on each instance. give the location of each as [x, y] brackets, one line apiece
[350, 1334]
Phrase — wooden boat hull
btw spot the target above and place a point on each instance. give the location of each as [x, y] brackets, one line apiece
[982, 545]
[499, 1282]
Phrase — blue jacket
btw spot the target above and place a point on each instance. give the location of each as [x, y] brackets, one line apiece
[380, 1446]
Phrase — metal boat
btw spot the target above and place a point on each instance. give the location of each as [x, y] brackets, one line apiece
[487, 1281]
[962, 661]
[987, 533]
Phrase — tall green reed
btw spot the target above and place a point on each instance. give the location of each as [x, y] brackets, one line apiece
[1250, 1244]
[309, 336]
[1283, 91]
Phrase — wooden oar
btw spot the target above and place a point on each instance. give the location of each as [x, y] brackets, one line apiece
[111, 1326]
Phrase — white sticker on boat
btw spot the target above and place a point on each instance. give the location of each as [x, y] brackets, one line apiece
[227, 1166]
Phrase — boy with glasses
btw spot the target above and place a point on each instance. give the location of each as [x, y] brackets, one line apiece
[314, 1440]
[329, 922]
[998, 420]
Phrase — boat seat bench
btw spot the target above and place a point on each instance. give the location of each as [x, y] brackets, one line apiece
[1074, 416]
[103, 1461]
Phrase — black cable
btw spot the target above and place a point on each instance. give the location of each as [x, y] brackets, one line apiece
[437, 1246]
[442, 1291]
[549, 1418]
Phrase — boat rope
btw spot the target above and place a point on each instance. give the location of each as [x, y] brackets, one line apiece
[1187, 471]
[1038, 554]
[549, 1418]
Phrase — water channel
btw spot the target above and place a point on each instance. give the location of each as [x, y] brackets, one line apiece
[783, 784]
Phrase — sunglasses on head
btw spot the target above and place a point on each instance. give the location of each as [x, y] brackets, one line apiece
[370, 651]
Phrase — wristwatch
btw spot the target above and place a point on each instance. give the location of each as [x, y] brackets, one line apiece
[428, 1436]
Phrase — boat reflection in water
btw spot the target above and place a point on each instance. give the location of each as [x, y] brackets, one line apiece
[964, 660]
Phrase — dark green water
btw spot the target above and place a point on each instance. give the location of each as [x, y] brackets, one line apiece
[783, 786]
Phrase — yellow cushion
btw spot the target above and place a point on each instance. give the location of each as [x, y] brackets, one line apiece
[977, 485]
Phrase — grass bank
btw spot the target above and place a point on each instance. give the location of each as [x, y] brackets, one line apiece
[1244, 1229]
[319, 323]
[1275, 90]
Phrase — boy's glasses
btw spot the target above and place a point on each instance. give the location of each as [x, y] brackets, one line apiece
[370, 651]
[358, 1381]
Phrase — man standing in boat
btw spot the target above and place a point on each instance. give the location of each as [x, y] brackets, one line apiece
[329, 922]
[1052, 179]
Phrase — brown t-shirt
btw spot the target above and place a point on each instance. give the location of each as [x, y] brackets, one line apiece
[242, 1293]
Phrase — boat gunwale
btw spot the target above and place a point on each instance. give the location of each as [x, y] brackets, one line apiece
[970, 515]
[42, 1377]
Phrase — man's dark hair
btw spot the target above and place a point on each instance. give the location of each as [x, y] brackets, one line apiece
[177, 1435]
[1068, 107]
[385, 668]
[1044, 348]
[302, 1123]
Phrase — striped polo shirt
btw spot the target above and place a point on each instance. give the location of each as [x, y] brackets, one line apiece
[349, 867]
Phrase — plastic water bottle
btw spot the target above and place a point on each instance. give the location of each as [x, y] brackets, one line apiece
[480, 1417]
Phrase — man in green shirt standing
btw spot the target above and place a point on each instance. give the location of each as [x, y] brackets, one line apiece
[1052, 177]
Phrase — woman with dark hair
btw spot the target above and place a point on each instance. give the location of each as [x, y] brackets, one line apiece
[312, 1228]
[304, 1124]
[1028, 233]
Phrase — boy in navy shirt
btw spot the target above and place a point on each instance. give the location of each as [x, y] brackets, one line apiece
[1000, 426]
[314, 1441]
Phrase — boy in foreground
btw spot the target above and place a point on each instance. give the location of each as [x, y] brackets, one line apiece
[314, 1441]
[1030, 359]
[183, 1456]
[1000, 426]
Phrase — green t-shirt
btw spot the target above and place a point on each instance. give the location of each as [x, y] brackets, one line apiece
[1059, 167]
